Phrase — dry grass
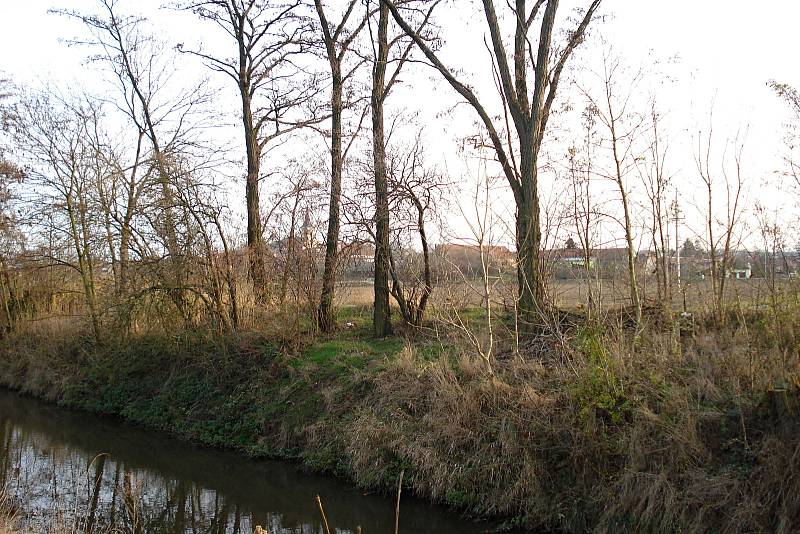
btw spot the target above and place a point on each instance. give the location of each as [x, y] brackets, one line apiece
[7, 524]
[663, 436]
[8, 520]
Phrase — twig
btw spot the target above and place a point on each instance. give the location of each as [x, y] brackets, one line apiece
[324, 519]
[397, 507]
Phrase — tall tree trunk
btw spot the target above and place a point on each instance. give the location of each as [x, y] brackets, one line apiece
[253, 149]
[381, 319]
[666, 281]
[325, 316]
[712, 251]
[528, 241]
[175, 279]
[636, 301]
[268, 35]
[426, 266]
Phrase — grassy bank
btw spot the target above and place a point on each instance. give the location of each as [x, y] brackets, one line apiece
[691, 430]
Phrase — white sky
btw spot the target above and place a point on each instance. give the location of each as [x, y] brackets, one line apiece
[727, 50]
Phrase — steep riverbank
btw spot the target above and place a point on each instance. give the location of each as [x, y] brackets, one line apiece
[665, 435]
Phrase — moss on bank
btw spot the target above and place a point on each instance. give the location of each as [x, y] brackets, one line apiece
[604, 434]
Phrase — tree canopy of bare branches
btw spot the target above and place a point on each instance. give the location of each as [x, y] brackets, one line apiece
[527, 89]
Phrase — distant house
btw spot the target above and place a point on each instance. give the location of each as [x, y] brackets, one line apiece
[781, 264]
[579, 262]
[698, 266]
[569, 263]
[467, 258]
[740, 274]
[740, 268]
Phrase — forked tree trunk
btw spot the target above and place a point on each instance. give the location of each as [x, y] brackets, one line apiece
[412, 307]
[528, 112]
[337, 42]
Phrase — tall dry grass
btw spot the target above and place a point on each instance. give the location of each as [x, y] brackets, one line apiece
[8, 523]
[656, 434]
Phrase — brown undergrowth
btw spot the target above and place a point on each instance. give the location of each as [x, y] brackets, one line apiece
[675, 429]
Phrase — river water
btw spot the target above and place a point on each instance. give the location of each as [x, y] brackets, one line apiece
[84, 473]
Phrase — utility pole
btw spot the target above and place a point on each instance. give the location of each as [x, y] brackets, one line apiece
[677, 217]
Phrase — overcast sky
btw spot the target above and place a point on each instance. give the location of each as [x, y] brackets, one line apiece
[726, 50]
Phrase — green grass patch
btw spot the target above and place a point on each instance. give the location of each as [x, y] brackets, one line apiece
[343, 354]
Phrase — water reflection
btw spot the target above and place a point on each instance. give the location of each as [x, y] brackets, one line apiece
[97, 475]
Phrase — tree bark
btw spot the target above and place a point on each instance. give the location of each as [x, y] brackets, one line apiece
[325, 316]
[252, 200]
[382, 319]
[528, 240]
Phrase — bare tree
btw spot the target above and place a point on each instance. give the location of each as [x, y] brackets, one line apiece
[292, 224]
[624, 126]
[277, 97]
[10, 174]
[416, 195]
[529, 110]
[217, 285]
[580, 159]
[64, 165]
[338, 39]
[653, 173]
[415, 190]
[381, 87]
[791, 96]
[141, 71]
[8, 170]
[773, 244]
[720, 231]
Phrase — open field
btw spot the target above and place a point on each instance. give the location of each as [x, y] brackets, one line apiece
[572, 294]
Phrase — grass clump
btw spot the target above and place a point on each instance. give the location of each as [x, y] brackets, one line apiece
[598, 391]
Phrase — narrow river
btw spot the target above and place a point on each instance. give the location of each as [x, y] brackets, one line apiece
[85, 473]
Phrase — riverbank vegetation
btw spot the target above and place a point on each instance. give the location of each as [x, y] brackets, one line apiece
[575, 387]
[685, 427]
